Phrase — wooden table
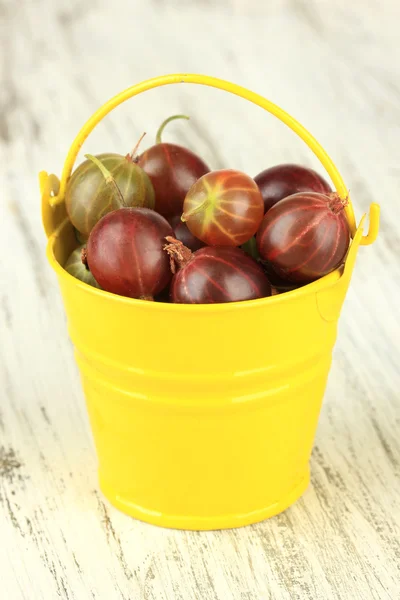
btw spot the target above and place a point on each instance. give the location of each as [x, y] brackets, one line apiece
[333, 65]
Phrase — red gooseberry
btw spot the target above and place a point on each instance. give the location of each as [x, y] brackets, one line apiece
[281, 181]
[304, 236]
[214, 275]
[125, 253]
[172, 170]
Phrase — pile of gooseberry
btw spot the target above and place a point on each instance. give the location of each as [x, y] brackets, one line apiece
[162, 226]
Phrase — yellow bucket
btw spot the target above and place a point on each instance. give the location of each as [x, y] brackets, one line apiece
[203, 416]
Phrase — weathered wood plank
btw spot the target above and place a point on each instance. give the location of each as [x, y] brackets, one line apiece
[334, 67]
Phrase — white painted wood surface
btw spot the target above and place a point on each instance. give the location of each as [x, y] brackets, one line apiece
[333, 65]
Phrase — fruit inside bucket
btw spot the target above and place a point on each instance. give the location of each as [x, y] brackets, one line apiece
[250, 238]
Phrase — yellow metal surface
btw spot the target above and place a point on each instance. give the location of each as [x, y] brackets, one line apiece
[203, 416]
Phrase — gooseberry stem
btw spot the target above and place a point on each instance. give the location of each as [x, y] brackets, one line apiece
[132, 156]
[336, 204]
[179, 254]
[107, 176]
[84, 258]
[164, 123]
[186, 215]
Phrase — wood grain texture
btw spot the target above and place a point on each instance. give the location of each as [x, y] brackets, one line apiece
[334, 66]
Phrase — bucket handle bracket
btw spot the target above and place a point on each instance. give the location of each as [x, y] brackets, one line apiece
[53, 214]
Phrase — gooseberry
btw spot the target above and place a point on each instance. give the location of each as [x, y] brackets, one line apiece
[173, 170]
[281, 181]
[75, 267]
[223, 208]
[125, 252]
[214, 275]
[89, 196]
[304, 236]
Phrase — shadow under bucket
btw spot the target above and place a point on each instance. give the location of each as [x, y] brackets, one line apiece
[203, 416]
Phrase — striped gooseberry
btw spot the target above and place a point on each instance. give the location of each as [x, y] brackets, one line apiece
[125, 253]
[304, 236]
[173, 170]
[89, 196]
[214, 274]
[77, 268]
[223, 208]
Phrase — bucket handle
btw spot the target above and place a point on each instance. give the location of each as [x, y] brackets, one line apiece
[53, 191]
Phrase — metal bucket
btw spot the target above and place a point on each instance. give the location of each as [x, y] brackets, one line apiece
[203, 416]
